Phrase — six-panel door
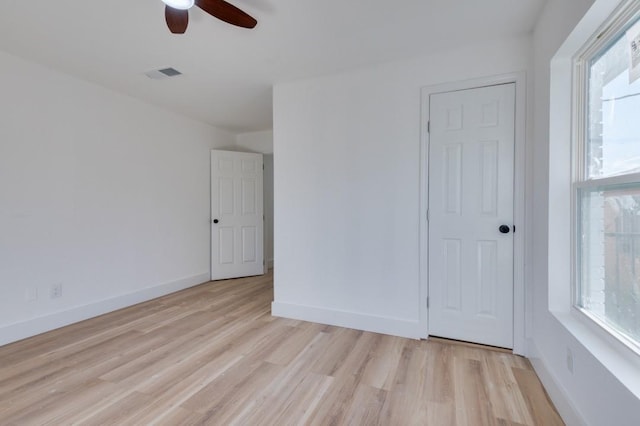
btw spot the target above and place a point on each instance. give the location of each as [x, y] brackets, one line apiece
[237, 248]
[471, 160]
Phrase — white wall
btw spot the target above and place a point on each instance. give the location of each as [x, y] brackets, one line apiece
[262, 142]
[591, 395]
[347, 176]
[100, 192]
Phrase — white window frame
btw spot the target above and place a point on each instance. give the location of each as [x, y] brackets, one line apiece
[610, 30]
[616, 357]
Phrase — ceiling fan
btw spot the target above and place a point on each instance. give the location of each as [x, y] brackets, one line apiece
[176, 13]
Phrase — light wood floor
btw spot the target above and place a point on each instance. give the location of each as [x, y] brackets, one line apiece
[214, 355]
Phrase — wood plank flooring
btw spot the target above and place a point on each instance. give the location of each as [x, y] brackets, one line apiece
[214, 355]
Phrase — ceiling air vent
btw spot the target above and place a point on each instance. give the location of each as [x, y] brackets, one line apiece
[163, 73]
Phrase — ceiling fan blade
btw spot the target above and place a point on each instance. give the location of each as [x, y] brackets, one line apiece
[227, 13]
[177, 20]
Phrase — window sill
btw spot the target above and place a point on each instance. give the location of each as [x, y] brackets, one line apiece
[621, 361]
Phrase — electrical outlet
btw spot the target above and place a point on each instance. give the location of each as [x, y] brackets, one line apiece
[31, 295]
[569, 360]
[56, 290]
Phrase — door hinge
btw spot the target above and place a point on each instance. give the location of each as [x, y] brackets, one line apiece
[427, 302]
[427, 215]
[429, 126]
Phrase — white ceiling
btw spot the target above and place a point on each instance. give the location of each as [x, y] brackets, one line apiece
[229, 71]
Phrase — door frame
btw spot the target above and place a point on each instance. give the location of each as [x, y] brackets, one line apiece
[521, 175]
[211, 213]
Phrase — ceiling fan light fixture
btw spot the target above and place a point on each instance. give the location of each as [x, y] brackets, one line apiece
[179, 4]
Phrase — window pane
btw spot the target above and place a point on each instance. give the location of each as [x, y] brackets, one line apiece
[609, 249]
[613, 128]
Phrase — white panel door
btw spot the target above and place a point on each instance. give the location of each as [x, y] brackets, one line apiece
[237, 220]
[471, 158]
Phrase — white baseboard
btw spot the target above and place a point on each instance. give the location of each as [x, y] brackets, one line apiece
[22, 330]
[376, 324]
[556, 391]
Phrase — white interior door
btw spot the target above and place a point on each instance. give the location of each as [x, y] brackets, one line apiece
[237, 221]
[471, 158]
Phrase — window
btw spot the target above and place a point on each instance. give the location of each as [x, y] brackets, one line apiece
[607, 178]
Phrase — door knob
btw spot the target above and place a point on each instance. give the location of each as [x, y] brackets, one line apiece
[504, 229]
[215, 220]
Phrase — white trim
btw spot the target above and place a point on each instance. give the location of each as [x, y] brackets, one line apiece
[519, 78]
[625, 345]
[21, 330]
[355, 320]
[631, 178]
[611, 353]
[238, 270]
[558, 394]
